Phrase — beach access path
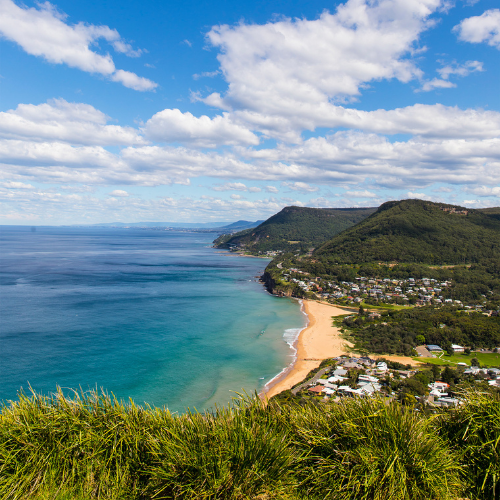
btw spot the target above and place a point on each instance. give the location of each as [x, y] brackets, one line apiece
[318, 341]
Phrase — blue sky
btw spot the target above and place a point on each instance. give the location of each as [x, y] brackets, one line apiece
[218, 111]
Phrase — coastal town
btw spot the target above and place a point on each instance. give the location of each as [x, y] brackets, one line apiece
[374, 291]
[361, 377]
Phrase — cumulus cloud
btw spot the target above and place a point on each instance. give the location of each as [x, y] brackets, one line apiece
[343, 157]
[291, 67]
[132, 81]
[16, 185]
[65, 121]
[44, 32]
[231, 186]
[300, 186]
[171, 125]
[450, 70]
[460, 69]
[437, 83]
[361, 194]
[120, 193]
[484, 190]
[483, 28]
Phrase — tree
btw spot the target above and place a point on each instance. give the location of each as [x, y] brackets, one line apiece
[420, 339]
[475, 362]
[448, 375]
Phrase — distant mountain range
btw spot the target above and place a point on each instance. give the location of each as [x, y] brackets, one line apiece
[294, 229]
[225, 226]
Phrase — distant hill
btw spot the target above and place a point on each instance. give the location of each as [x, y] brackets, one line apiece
[295, 229]
[418, 231]
[241, 225]
[216, 226]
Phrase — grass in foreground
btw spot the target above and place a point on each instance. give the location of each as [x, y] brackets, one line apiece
[94, 447]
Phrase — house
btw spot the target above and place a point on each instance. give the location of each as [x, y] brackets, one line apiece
[381, 367]
[438, 388]
[457, 348]
[447, 401]
[318, 389]
[434, 348]
[339, 372]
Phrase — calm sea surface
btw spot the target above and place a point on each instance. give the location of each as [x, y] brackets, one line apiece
[156, 316]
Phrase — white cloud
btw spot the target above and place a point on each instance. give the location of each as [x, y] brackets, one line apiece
[171, 125]
[449, 70]
[420, 196]
[272, 189]
[437, 83]
[120, 193]
[231, 186]
[132, 81]
[483, 28]
[299, 186]
[344, 158]
[460, 69]
[43, 32]
[16, 185]
[484, 191]
[60, 120]
[290, 68]
[361, 194]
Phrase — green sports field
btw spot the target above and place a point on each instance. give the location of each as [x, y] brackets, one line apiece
[486, 359]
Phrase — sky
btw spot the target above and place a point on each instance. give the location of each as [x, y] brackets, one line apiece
[200, 111]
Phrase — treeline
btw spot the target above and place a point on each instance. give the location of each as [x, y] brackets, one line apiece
[398, 332]
[93, 447]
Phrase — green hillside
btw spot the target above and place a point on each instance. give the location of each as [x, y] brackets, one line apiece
[418, 231]
[295, 229]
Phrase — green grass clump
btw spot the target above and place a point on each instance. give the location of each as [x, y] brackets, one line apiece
[474, 431]
[368, 449]
[91, 446]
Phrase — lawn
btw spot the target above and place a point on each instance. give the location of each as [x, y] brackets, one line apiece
[486, 359]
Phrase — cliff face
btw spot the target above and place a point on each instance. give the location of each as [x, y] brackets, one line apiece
[272, 288]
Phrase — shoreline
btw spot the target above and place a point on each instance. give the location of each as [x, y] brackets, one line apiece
[317, 341]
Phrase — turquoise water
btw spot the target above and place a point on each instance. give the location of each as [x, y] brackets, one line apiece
[156, 316]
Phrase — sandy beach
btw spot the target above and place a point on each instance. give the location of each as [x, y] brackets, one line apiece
[319, 340]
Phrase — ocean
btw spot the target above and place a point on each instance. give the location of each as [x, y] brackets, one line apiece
[156, 316]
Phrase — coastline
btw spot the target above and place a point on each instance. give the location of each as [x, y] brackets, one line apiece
[319, 340]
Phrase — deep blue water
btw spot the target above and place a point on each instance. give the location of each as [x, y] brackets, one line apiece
[156, 316]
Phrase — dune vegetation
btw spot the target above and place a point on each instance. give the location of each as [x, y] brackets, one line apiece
[91, 446]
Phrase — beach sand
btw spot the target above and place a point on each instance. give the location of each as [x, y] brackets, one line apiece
[318, 341]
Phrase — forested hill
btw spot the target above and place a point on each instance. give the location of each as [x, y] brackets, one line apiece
[418, 231]
[295, 229]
